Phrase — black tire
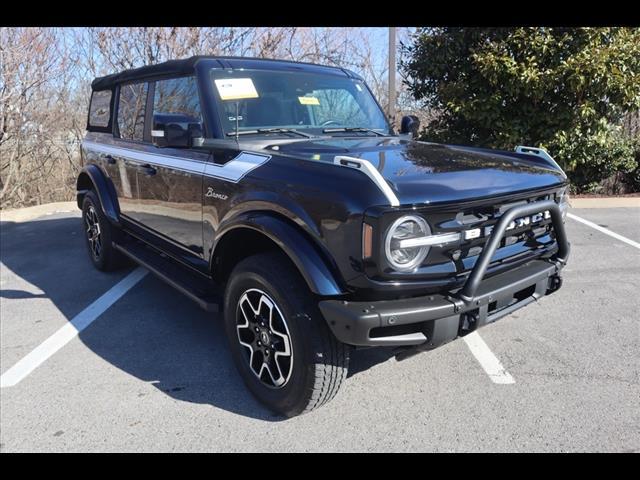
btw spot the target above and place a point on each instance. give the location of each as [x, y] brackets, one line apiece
[318, 362]
[103, 256]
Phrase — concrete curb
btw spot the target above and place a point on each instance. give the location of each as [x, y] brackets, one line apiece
[605, 202]
[29, 213]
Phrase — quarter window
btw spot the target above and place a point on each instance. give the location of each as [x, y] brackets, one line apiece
[100, 109]
[131, 111]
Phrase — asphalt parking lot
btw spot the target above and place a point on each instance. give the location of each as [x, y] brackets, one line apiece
[153, 371]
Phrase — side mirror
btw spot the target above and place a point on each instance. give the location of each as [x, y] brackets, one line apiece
[410, 124]
[175, 130]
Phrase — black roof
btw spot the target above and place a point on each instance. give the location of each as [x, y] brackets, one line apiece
[187, 65]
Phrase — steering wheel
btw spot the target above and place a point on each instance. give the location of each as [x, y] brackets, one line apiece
[329, 122]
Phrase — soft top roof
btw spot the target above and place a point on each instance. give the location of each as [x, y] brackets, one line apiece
[187, 65]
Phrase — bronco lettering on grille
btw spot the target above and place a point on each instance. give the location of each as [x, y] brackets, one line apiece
[517, 223]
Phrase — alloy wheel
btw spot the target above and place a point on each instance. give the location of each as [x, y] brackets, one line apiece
[93, 232]
[264, 336]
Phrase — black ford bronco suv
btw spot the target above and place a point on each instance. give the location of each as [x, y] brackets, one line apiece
[277, 193]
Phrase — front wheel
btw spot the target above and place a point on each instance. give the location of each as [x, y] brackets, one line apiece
[280, 343]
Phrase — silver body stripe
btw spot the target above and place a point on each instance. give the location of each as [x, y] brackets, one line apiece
[232, 171]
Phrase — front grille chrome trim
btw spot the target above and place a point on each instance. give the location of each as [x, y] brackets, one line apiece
[439, 240]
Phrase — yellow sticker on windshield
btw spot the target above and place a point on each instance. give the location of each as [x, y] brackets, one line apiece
[236, 88]
[309, 100]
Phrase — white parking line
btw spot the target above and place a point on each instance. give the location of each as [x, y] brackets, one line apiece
[485, 357]
[70, 330]
[487, 360]
[604, 230]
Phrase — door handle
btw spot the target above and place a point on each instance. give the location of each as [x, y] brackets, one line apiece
[147, 169]
[110, 160]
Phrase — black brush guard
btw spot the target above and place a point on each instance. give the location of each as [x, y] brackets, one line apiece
[440, 318]
[482, 264]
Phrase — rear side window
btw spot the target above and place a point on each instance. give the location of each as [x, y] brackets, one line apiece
[178, 97]
[100, 109]
[131, 111]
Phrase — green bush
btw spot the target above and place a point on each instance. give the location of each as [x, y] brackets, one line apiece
[633, 179]
[564, 89]
[590, 157]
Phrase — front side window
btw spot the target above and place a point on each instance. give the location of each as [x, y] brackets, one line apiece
[307, 102]
[100, 109]
[131, 111]
[179, 97]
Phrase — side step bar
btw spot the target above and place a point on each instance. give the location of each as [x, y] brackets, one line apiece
[199, 289]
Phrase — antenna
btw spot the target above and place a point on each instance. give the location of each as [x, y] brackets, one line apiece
[237, 121]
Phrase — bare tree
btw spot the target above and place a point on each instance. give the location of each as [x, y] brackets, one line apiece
[46, 74]
[36, 159]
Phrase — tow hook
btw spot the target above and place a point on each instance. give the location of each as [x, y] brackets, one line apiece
[555, 282]
[469, 322]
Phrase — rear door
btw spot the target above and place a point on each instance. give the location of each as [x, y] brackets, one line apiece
[101, 146]
[129, 138]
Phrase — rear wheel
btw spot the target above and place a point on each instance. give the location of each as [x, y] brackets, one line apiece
[281, 345]
[99, 234]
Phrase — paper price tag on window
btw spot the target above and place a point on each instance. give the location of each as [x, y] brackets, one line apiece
[309, 100]
[236, 88]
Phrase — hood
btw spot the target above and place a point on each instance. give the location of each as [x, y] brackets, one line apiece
[421, 172]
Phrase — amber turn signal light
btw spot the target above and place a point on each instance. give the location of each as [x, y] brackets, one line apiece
[367, 240]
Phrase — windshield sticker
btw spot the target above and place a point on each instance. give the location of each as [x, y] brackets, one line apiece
[236, 88]
[309, 100]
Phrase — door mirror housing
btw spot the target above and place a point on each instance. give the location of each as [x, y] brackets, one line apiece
[410, 124]
[175, 130]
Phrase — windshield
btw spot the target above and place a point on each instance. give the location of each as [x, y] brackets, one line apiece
[261, 102]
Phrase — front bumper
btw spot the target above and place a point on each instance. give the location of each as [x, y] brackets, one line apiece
[432, 320]
[437, 319]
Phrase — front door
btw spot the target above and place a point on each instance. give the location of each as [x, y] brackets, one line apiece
[169, 180]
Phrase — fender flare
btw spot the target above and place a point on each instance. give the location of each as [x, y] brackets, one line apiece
[104, 189]
[307, 257]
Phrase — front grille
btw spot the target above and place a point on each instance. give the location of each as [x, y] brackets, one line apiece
[521, 243]
[529, 234]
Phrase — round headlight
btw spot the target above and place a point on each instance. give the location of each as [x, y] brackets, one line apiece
[406, 228]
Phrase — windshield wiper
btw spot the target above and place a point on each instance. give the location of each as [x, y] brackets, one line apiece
[352, 129]
[269, 130]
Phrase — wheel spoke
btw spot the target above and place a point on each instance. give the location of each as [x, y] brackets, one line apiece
[243, 301]
[93, 232]
[245, 326]
[276, 381]
[283, 336]
[277, 363]
[264, 300]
